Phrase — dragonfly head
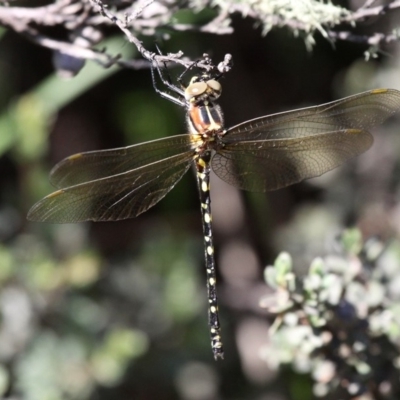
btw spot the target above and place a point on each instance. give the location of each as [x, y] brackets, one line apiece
[202, 88]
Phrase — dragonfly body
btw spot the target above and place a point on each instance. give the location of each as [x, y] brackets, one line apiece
[205, 122]
[263, 154]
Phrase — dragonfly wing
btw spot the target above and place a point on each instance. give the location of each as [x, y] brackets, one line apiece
[92, 165]
[361, 111]
[121, 196]
[263, 165]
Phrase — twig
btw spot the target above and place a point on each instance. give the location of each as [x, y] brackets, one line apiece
[372, 40]
[145, 17]
[104, 59]
[160, 59]
[367, 12]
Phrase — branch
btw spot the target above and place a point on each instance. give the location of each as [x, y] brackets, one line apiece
[147, 17]
[372, 40]
[159, 59]
[59, 13]
[366, 12]
[104, 59]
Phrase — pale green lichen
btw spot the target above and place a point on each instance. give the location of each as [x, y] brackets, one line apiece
[341, 321]
[303, 17]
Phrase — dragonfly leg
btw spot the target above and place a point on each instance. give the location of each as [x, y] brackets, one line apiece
[166, 82]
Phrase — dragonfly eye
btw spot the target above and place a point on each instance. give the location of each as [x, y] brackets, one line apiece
[202, 90]
[195, 90]
[215, 89]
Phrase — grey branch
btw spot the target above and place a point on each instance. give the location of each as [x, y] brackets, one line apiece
[147, 17]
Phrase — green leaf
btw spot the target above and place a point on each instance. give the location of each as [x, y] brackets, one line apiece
[352, 240]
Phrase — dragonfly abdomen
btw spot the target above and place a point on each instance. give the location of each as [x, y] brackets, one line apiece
[203, 180]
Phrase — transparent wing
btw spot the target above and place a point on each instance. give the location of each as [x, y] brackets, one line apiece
[92, 165]
[276, 163]
[278, 150]
[361, 111]
[121, 196]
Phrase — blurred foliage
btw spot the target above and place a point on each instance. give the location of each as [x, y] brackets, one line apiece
[25, 122]
[141, 122]
[200, 16]
[49, 314]
[341, 322]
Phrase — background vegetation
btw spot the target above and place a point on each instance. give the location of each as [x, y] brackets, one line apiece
[118, 310]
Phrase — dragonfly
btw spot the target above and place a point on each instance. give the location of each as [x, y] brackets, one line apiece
[262, 154]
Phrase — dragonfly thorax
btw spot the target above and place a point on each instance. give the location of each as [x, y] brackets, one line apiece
[205, 119]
